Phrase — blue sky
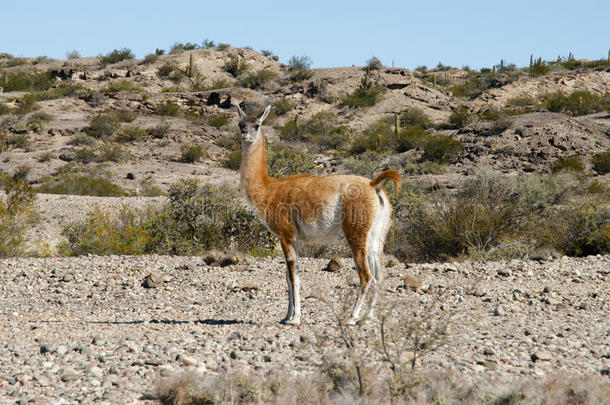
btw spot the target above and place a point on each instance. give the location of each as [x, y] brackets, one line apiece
[333, 33]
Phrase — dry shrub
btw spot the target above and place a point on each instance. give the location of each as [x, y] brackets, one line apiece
[17, 213]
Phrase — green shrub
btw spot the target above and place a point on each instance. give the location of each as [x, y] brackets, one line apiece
[65, 90]
[223, 47]
[197, 219]
[124, 115]
[102, 233]
[601, 162]
[179, 47]
[121, 85]
[521, 101]
[460, 117]
[379, 137]
[85, 155]
[300, 68]
[23, 81]
[580, 102]
[36, 121]
[21, 141]
[168, 108]
[102, 125]
[258, 79]
[410, 138]
[16, 214]
[166, 70]
[571, 162]
[218, 121]
[364, 164]
[112, 153]
[286, 161]
[414, 116]
[150, 58]
[131, 134]
[284, 105]
[160, 130]
[319, 129]
[580, 230]
[192, 153]
[74, 54]
[539, 68]
[366, 95]
[425, 167]
[82, 139]
[116, 56]
[232, 160]
[374, 63]
[236, 66]
[442, 148]
[5, 109]
[75, 184]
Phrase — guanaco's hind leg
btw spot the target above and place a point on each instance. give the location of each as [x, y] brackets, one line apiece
[364, 274]
[293, 316]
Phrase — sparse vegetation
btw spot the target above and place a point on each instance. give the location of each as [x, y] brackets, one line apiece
[168, 108]
[74, 54]
[258, 79]
[117, 55]
[236, 66]
[80, 184]
[601, 162]
[25, 81]
[460, 117]
[121, 85]
[365, 95]
[283, 106]
[192, 153]
[160, 130]
[131, 134]
[300, 68]
[571, 162]
[17, 213]
[580, 102]
[102, 125]
[286, 161]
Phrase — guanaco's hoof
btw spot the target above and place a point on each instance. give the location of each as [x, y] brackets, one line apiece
[293, 321]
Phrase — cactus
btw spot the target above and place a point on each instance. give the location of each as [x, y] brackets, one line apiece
[297, 125]
[189, 71]
[5, 81]
[396, 124]
[531, 60]
[434, 79]
[608, 55]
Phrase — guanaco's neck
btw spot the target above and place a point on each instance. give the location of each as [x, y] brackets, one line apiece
[254, 176]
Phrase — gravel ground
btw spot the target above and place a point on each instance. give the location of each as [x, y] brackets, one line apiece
[79, 330]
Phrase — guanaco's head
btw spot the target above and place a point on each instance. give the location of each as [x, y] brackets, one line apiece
[250, 127]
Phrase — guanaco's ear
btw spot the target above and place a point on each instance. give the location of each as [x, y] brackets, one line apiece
[262, 118]
[240, 112]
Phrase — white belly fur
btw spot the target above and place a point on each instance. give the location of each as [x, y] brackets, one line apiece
[326, 227]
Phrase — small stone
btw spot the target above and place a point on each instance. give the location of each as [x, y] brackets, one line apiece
[234, 355]
[412, 283]
[96, 372]
[47, 348]
[488, 351]
[61, 350]
[406, 356]
[69, 374]
[499, 311]
[187, 360]
[504, 272]
[130, 176]
[152, 281]
[153, 362]
[540, 355]
[334, 265]
[98, 340]
[67, 278]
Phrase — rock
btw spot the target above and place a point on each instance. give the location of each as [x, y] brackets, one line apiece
[95, 372]
[412, 283]
[152, 281]
[234, 355]
[98, 340]
[47, 348]
[187, 360]
[67, 278]
[69, 374]
[488, 351]
[406, 356]
[504, 272]
[130, 176]
[540, 355]
[499, 311]
[334, 265]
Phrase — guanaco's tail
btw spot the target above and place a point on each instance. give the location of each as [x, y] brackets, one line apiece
[383, 177]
